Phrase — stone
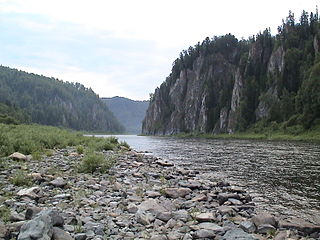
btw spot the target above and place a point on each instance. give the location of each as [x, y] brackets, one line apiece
[60, 234]
[237, 234]
[153, 194]
[39, 228]
[223, 197]
[211, 226]
[151, 205]
[205, 217]
[32, 192]
[164, 216]
[181, 215]
[18, 156]
[200, 197]
[158, 237]
[300, 225]
[164, 163]
[177, 192]
[282, 235]
[204, 233]
[132, 208]
[234, 201]
[226, 210]
[264, 218]
[16, 217]
[3, 230]
[31, 212]
[58, 182]
[144, 218]
[80, 236]
[266, 229]
[248, 226]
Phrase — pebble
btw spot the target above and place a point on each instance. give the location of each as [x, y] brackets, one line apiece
[141, 197]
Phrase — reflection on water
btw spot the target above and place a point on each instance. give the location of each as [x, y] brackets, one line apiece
[283, 176]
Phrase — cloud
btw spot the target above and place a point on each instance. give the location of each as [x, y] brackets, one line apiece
[123, 47]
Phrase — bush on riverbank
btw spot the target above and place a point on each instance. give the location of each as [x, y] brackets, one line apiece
[35, 139]
[259, 131]
[93, 161]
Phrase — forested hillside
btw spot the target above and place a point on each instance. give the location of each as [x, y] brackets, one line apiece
[130, 113]
[26, 97]
[226, 85]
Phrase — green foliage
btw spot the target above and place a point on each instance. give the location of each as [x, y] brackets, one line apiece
[21, 178]
[4, 214]
[80, 149]
[93, 161]
[37, 139]
[50, 101]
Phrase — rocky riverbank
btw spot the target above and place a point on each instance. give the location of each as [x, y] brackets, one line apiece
[141, 197]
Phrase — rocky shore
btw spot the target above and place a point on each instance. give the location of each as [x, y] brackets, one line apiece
[141, 197]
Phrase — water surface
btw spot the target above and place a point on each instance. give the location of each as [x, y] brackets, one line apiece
[282, 176]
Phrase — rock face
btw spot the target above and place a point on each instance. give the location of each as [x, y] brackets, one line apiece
[220, 91]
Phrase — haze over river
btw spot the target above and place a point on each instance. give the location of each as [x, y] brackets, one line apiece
[282, 177]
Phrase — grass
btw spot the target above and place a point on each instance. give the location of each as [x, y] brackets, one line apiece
[93, 161]
[38, 139]
[21, 178]
[276, 132]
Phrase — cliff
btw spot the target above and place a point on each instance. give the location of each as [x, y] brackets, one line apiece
[225, 85]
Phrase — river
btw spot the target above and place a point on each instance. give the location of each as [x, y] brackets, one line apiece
[283, 177]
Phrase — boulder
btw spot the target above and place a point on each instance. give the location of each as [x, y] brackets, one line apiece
[60, 234]
[237, 234]
[58, 182]
[18, 156]
[205, 217]
[39, 228]
[164, 163]
[264, 218]
[32, 192]
[177, 192]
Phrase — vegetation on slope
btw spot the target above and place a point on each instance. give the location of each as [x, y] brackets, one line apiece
[130, 113]
[290, 95]
[33, 98]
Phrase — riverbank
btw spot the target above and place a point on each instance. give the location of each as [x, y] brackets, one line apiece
[140, 197]
[312, 135]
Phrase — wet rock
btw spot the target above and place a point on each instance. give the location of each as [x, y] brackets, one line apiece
[18, 156]
[60, 234]
[177, 192]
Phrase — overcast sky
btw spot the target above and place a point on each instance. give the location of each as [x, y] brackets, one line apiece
[124, 47]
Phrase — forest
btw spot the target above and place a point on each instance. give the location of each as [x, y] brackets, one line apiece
[31, 98]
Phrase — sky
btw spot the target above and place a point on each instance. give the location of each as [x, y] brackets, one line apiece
[124, 47]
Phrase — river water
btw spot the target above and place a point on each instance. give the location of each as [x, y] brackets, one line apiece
[283, 177]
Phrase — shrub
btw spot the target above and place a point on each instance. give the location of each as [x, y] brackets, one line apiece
[93, 162]
[80, 149]
[20, 178]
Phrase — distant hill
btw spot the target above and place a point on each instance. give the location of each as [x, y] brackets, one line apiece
[27, 97]
[130, 113]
